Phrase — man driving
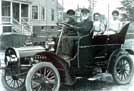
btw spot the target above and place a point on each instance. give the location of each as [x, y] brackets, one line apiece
[70, 19]
[67, 41]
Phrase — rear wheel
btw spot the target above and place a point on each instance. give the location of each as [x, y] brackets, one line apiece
[122, 69]
[43, 77]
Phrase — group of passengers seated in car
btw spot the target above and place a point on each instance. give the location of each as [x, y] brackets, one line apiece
[86, 26]
[114, 26]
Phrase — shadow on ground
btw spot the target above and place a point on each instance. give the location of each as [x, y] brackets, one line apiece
[85, 85]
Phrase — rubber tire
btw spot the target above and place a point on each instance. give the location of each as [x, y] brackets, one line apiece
[112, 69]
[35, 68]
[6, 85]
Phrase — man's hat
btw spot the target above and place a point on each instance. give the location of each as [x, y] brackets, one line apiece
[124, 15]
[115, 12]
[84, 10]
[97, 14]
[70, 12]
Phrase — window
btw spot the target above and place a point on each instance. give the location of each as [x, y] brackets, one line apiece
[24, 10]
[52, 14]
[42, 28]
[5, 8]
[34, 12]
[43, 13]
[7, 29]
[52, 27]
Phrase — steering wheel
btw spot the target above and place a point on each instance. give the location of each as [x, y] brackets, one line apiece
[62, 31]
[68, 25]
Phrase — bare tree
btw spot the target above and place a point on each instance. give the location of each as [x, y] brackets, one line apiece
[128, 6]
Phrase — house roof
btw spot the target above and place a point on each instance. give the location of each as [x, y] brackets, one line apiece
[25, 1]
[59, 6]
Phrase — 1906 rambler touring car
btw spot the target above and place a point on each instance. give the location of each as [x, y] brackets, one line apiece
[42, 69]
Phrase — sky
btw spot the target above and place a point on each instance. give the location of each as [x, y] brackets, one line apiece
[101, 5]
[72, 4]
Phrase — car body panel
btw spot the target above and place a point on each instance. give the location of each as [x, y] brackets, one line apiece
[106, 44]
[129, 38]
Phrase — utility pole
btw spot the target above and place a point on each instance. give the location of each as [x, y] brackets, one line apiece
[90, 1]
[1, 30]
[57, 10]
[62, 10]
[91, 8]
[46, 16]
[108, 15]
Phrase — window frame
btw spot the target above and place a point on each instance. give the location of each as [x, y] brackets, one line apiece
[43, 13]
[52, 14]
[36, 11]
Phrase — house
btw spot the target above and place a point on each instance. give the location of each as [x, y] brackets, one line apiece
[29, 16]
[14, 22]
[22, 18]
[44, 15]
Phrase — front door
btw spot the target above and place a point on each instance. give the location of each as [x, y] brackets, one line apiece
[99, 45]
[85, 56]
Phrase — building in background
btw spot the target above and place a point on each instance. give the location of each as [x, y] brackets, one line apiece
[29, 16]
[20, 18]
[14, 22]
[44, 15]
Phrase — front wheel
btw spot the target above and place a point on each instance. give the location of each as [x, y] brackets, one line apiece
[43, 77]
[12, 82]
[122, 69]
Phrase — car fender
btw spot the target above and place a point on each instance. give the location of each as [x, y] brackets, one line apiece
[130, 51]
[115, 54]
[60, 64]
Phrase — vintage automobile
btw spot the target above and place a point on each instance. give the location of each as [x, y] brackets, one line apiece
[45, 69]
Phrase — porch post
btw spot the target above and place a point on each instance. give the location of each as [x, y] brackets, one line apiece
[1, 30]
[29, 16]
[29, 12]
[11, 12]
[20, 17]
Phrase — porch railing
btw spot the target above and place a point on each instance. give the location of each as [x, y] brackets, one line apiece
[6, 19]
[26, 25]
[24, 20]
[17, 27]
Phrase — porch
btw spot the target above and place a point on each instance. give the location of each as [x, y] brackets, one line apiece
[15, 16]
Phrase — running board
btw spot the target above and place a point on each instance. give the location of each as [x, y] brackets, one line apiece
[100, 76]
